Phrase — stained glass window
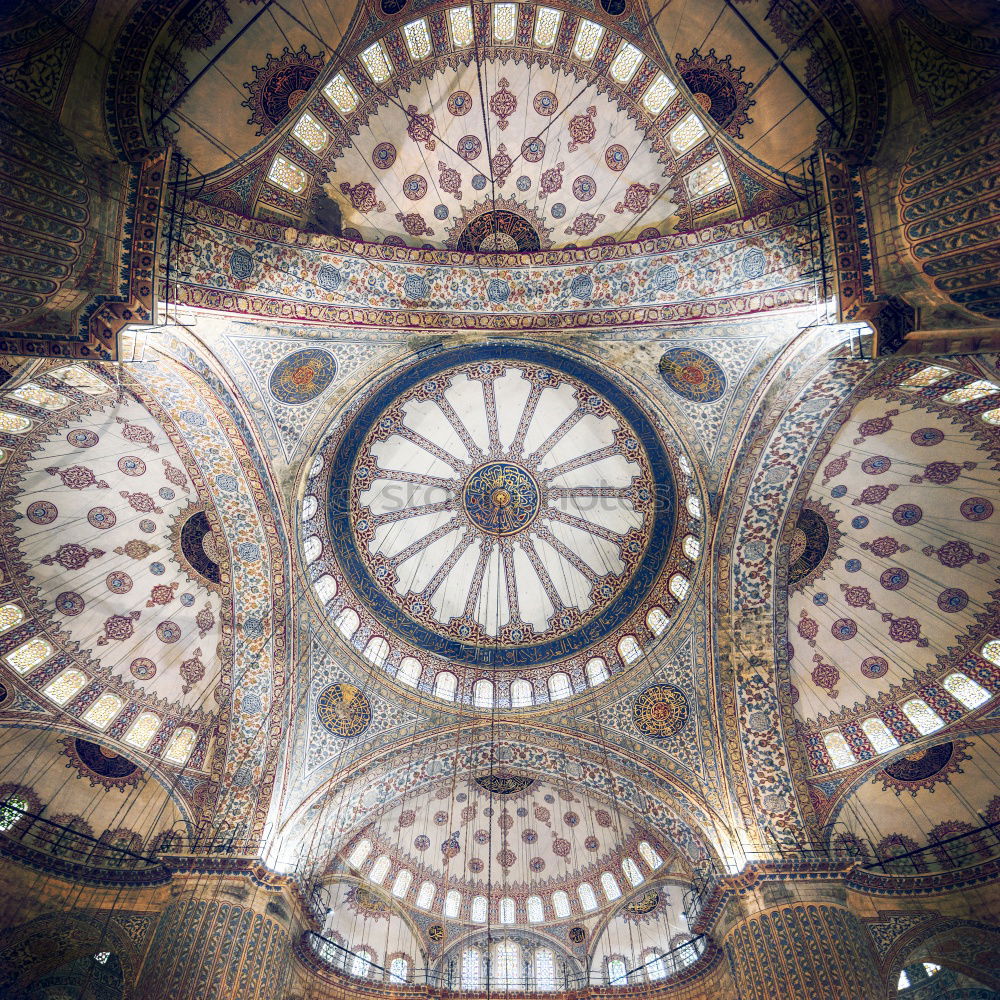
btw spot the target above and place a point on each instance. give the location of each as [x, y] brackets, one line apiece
[472, 969]
[656, 967]
[709, 176]
[287, 175]
[11, 811]
[504, 21]
[631, 870]
[547, 22]
[63, 687]
[100, 714]
[521, 694]
[974, 390]
[879, 735]
[452, 903]
[460, 22]
[657, 620]
[418, 39]
[313, 549]
[379, 870]
[612, 890]
[928, 375]
[922, 715]
[409, 671]
[682, 461]
[545, 969]
[588, 38]
[360, 965]
[694, 505]
[28, 655]
[425, 898]
[14, 423]
[80, 378]
[629, 649]
[360, 853]
[679, 586]
[142, 731]
[535, 909]
[477, 913]
[617, 972]
[376, 62]
[347, 622]
[992, 416]
[3, 455]
[966, 690]
[482, 694]
[445, 685]
[309, 505]
[506, 969]
[326, 588]
[560, 903]
[376, 651]
[626, 62]
[587, 898]
[310, 133]
[180, 746]
[840, 753]
[903, 983]
[10, 617]
[991, 651]
[401, 884]
[649, 855]
[692, 547]
[35, 394]
[658, 95]
[688, 132]
[341, 94]
[597, 671]
[399, 970]
[559, 686]
[507, 910]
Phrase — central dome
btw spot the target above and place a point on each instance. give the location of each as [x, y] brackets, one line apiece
[500, 505]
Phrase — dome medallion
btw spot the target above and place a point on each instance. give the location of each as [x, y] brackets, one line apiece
[502, 504]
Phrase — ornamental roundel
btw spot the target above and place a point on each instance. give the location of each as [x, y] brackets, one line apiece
[660, 711]
[813, 545]
[344, 710]
[645, 903]
[501, 498]
[460, 103]
[504, 784]
[435, 932]
[302, 376]
[693, 374]
[577, 935]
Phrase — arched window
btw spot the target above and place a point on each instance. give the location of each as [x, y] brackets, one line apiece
[482, 694]
[445, 685]
[180, 746]
[629, 649]
[506, 967]
[691, 547]
[597, 671]
[682, 461]
[317, 464]
[521, 695]
[30, 654]
[477, 913]
[991, 651]
[966, 690]
[472, 969]
[587, 898]
[313, 549]
[401, 884]
[10, 617]
[507, 910]
[928, 375]
[309, 506]
[100, 714]
[559, 686]
[425, 898]
[649, 855]
[657, 620]
[399, 970]
[141, 732]
[631, 870]
[840, 753]
[452, 903]
[879, 735]
[380, 869]
[361, 964]
[656, 967]
[693, 505]
[991, 416]
[347, 622]
[679, 586]
[560, 903]
[535, 910]
[14, 423]
[376, 651]
[612, 890]
[12, 810]
[923, 717]
[409, 671]
[617, 972]
[60, 689]
[545, 970]
[326, 588]
[360, 853]
[969, 393]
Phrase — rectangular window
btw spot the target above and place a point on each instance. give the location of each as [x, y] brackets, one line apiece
[460, 23]
[588, 39]
[376, 62]
[658, 95]
[341, 94]
[504, 21]
[625, 63]
[687, 133]
[547, 22]
[310, 133]
[287, 175]
[418, 39]
[707, 177]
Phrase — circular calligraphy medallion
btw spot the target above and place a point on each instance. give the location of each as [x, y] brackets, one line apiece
[344, 710]
[660, 711]
[500, 498]
[693, 374]
[302, 376]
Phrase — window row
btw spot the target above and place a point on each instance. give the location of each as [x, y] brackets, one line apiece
[48, 399]
[972, 391]
[507, 967]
